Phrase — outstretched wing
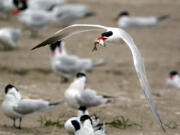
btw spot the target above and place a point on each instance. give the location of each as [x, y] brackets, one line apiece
[69, 31]
[140, 69]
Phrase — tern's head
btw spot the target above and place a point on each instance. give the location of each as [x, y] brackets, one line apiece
[122, 14]
[172, 74]
[72, 125]
[82, 110]
[13, 91]
[59, 46]
[21, 5]
[85, 118]
[104, 37]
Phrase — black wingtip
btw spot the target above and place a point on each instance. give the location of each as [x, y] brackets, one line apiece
[56, 103]
[35, 47]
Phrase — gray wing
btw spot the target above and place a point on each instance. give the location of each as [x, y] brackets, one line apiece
[26, 106]
[69, 31]
[90, 98]
[140, 69]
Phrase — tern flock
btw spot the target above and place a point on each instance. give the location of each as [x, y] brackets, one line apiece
[37, 14]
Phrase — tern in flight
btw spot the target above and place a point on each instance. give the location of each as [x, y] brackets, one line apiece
[111, 35]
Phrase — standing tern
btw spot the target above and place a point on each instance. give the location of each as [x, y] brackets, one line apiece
[68, 65]
[68, 13]
[33, 19]
[76, 125]
[127, 21]
[15, 107]
[77, 95]
[173, 80]
[114, 35]
[8, 37]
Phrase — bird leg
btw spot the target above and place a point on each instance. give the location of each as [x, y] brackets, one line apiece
[20, 119]
[14, 123]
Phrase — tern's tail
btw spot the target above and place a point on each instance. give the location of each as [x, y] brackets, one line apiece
[52, 105]
[98, 63]
[163, 18]
[88, 14]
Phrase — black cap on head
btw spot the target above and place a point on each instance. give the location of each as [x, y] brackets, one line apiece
[54, 45]
[84, 118]
[124, 13]
[21, 4]
[107, 34]
[82, 108]
[9, 86]
[16, 2]
[76, 124]
[79, 75]
[173, 72]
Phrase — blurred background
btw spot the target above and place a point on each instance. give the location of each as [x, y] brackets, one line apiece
[30, 71]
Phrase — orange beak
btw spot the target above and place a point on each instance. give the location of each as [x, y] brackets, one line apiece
[15, 12]
[116, 19]
[101, 37]
[170, 76]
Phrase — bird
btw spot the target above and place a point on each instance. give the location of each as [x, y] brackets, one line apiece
[68, 13]
[75, 125]
[110, 35]
[68, 65]
[77, 95]
[33, 19]
[15, 107]
[173, 80]
[44, 4]
[7, 6]
[9, 36]
[126, 21]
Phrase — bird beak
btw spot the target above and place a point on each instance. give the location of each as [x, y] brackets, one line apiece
[116, 19]
[15, 12]
[170, 76]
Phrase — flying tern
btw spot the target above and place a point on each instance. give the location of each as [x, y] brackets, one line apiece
[126, 21]
[15, 107]
[67, 65]
[114, 35]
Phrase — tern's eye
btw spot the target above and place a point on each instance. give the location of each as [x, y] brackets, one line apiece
[107, 34]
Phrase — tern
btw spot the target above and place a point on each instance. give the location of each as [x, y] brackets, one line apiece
[77, 95]
[126, 21]
[33, 19]
[67, 65]
[15, 107]
[114, 35]
[173, 80]
[68, 13]
[9, 36]
[43, 4]
[76, 125]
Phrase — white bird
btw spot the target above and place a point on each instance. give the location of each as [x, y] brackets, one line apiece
[67, 65]
[9, 36]
[127, 21]
[34, 19]
[44, 4]
[77, 95]
[76, 125]
[7, 6]
[68, 13]
[173, 80]
[15, 107]
[114, 35]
